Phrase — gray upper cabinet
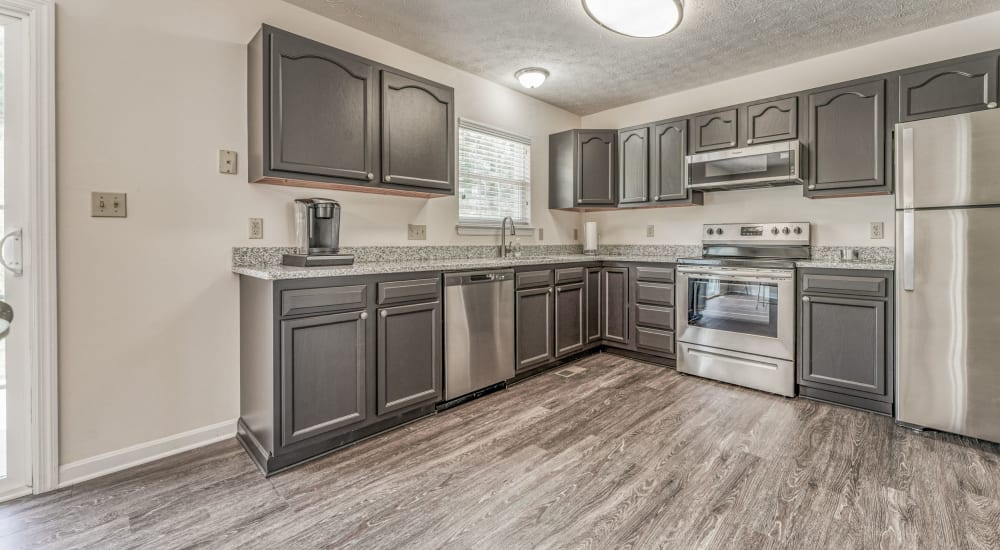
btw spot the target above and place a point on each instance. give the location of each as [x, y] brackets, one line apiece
[322, 375]
[847, 140]
[583, 169]
[325, 118]
[773, 120]
[409, 364]
[593, 304]
[615, 322]
[570, 318]
[633, 165]
[948, 88]
[322, 109]
[533, 327]
[715, 130]
[668, 163]
[418, 132]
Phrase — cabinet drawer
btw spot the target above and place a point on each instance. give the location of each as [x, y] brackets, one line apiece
[844, 284]
[659, 294]
[317, 300]
[654, 316]
[656, 340]
[569, 275]
[655, 274]
[394, 292]
[529, 279]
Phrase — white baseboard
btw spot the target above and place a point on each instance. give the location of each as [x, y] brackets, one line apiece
[114, 461]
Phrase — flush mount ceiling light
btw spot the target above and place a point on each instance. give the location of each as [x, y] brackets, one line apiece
[532, 77]
[638, 18]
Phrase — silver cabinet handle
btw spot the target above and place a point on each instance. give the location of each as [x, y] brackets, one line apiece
[991, 105]
[805, 299]
[388, 178]
[656, 198]
[383, 314]
[371, 176]
[364, 315]
[812, 186]
[549, 291]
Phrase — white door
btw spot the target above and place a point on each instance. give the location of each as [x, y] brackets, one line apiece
[15, 356]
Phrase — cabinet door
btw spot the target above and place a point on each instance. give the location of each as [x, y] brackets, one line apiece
[843, 343]
[953, 88]
[322, 374]
[716, 130]
[571, 321]
[534, 334]
[594, 304]
[418, 133]
[668, 165]
[616, 305]
[775, 120]
[322, 110]
[596, 168]
[633, 172]
[847, 138]
[409, 367]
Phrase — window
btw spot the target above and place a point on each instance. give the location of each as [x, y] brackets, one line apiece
[494, 176]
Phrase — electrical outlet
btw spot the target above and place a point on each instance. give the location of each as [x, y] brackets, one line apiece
[107, 205]
[541, 234]
[878, 230]
[576, 234]
[227, 162]
[256, 229]
[650, 230]
[416, 232]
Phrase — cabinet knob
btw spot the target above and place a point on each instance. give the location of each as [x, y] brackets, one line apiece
[388, 178]
[656, 198]
[813, 186]
[364, 315]
[383, 314]
[750, 141]
[805, 299]
[991, 105]
[371, 176]
[549, 291]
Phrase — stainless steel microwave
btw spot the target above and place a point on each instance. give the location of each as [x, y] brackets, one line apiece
[767, 165]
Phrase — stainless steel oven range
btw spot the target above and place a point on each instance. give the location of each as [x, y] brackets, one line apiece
[736, 305]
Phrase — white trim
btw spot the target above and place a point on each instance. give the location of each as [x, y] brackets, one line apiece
[39, 19]
[16, 492]
[490, 129]
[115, 461]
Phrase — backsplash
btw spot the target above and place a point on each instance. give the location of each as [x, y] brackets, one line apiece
[676, 250]
[866, 254]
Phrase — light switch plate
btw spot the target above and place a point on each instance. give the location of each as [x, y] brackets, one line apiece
[541, 234]
[576, 234]
[107, 205]
[878, 230]
[227, 161]
[416, 232]
[256, 228]
[650, 230]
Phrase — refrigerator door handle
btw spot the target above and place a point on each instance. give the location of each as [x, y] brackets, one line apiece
[908, 251]
[904, 166]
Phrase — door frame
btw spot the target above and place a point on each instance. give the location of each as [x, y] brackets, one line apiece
[39, 245]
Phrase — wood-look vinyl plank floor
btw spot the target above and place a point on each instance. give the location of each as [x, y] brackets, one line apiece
[622, 455]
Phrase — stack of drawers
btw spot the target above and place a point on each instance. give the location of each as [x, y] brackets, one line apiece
[654, 310]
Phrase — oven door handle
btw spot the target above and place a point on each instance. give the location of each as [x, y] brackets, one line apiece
[737, 276]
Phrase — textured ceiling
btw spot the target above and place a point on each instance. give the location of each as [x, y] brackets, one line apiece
[594, 69]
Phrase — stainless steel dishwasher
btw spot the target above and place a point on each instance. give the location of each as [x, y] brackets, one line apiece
[478, 330]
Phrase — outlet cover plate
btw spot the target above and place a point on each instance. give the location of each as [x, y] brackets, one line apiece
[650, 230]
[416, 232]
[878, 230]
[107, 205]
[256, 228]
[227, 162]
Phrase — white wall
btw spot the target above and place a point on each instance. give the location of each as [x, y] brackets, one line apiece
[148, 91]
[837, 221]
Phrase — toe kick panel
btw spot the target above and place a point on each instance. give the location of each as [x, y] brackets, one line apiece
[744, 369]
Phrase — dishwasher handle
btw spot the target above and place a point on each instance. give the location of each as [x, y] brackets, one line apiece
[477, 277]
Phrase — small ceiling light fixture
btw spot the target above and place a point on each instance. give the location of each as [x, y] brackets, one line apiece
[532, 77]
[638, 18]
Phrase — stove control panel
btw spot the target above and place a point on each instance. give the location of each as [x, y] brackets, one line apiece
[761, 233]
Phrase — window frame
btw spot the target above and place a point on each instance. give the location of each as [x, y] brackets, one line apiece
[489, 228]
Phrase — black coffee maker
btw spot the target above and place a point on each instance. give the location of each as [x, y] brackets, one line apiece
[317, 234]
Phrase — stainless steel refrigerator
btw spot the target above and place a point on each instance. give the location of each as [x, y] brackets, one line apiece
[948, 274]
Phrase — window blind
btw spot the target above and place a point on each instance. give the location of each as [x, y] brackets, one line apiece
[494, 175]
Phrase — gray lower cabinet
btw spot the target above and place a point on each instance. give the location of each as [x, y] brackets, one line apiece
[594, 304]
[409, 361]
[615, 288]
[322, 374]
[715, 130]
[653, 297]
[845, 340]
[633, 165]
[949, 88]
[570, 318]
[418, 132]
[534, 332]
[583, 169]
[847, 147]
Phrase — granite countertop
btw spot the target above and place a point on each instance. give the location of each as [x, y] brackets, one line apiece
[279, 272]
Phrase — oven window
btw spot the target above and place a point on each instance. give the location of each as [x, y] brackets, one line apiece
[733, 306]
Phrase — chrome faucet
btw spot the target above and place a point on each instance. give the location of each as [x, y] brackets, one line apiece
[505, 247]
